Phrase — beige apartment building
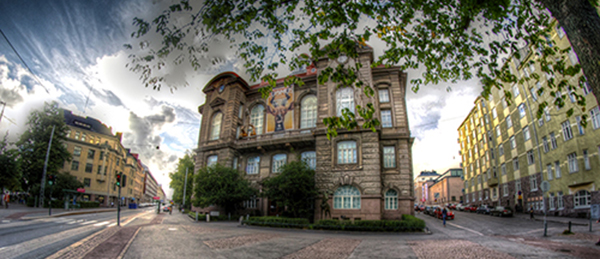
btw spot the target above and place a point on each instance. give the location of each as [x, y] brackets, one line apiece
[98, 156]
[422, 187]
[447, 188]
[367, 174]
[507, 152]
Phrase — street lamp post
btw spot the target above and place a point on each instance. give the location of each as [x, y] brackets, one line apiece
[185, 186]
[46, 168]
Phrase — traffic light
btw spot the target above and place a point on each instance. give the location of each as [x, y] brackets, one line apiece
[118, 183]
[50, 179]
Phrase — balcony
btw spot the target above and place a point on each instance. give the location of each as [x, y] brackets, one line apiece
[296, 139]
[493, 181]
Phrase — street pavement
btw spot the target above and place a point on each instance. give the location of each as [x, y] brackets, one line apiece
[144, 234]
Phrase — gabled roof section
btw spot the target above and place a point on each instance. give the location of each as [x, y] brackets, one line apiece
[216, 102]
[227, 78]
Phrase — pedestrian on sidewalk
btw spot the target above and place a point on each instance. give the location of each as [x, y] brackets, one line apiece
[444, 215]
[531, 212]
[6, 199]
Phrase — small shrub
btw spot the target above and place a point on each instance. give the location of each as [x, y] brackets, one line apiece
[88, 204]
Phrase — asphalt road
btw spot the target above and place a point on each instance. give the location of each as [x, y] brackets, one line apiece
[40, 238]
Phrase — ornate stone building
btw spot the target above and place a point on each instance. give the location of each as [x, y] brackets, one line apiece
[367, 174]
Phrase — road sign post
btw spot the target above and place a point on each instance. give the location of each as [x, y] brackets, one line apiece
[545, 186]
[594, 213]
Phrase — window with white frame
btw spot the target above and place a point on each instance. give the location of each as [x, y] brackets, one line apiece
[549, 172]
[480, 194]
[553, 142]
[560, 31]
[582, 199]
[541, 122]
[257, 118]
[551, 201]
[586, 88]
[211, 160]
[517, 185]
[533, 183]
[391, 200]
[310, 157]
[595, 115]
[215, 127]
[530, 157]
[308, 112]
[345, 99]
[235, 163]
[498, 131]
[579, 126]
[573, 57]
[516, 164]
[586, 160]
[572, 159]
[515, 89]
[513, 142]
[384, 96]
[559, 200]
[547, 114]
[346, 197]
[501, 149]
[251, 204]
[386, 118]
[503, 168]
[77, 151]
[533, 93]
[389, 157]
[346, 152]
[494, 193]
[557, 171]
[508, 122]
[278, 161]
[526, 134]
[83, 136]
[545, 144]
[253, 165]
[566, 128]
[505, 190]
[522, 110]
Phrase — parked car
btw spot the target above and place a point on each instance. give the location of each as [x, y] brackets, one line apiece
[460, 207]
[501, 211]
[451, 206]
[429, 210]
[166, 208]
[438, 213]
[472, 208]
[483, 209]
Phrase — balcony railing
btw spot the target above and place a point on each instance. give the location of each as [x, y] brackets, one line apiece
[493, 181]
[275, 140]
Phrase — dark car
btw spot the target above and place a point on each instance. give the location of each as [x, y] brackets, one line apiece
[429, 210]
[483, 209]
[501, 211]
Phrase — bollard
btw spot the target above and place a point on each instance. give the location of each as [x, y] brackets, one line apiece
[241, 220]
[569, 226]
[207, 218]
[247, 216]
[196, 216]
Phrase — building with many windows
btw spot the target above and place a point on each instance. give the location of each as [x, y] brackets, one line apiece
[150, 189]
[507, 152]
[421, 187]
[367, 174]
[97, 156]
[447, 188]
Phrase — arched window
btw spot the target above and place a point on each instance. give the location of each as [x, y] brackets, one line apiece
[310, 157]
[582, 198]
[257, 118]
[211, 160]
[215, 127]
[345, 99]
[346, 197]
[346, 152]
[278, 161]
[391, 200]
[308, 112]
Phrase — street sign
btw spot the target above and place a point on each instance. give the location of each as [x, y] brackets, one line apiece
[81, 190]
[545, 186]
[595, 211]
[156, 198]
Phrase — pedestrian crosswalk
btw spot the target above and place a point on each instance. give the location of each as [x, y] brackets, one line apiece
[81, 222]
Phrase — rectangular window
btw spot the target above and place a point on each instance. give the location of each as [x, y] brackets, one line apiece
[571, 96]
[545, 143]
[99, 169]
[586, 88]
[384, 96]
[573, 165]
[89, 168]
[494, 113]
[549, 171]
[595, 115]
[573, 57]
[530, 157]
[310, 157]
[91, 154]
[503, 168]
[513, 142]
[566, 128]
[118, 161]
[87, 182]
[526, 135]
[235, 163]
[560, 31]
[250, 204]
[389, 157]
[75, 166]
[547, 114]
[505, 190]
[278, 161]
[498, 131]
[508, 122]
[551, 201]
[501, 150]
[83, 137]
[579, 126]
[516, 164]
[212, 160]
[522, 110]
[533, 183]
[553, 142]
[559, 200]
[533, 93]
[557, 169]
[101, 155]
[77, 151]
[77, 135]
[515, 90]
[253, 165]
[504, 103]
[386, 118]
[346, 152]
[586, 160]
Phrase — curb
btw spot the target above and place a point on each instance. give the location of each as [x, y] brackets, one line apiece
[67, 214]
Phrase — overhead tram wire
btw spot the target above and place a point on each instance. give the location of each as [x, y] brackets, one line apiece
[23, 61]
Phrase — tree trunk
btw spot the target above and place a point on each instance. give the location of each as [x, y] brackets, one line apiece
[581, 22]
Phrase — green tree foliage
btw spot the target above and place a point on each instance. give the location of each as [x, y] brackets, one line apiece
[10, 171]
[33, 144]
[64, 181]
[221, 186]
[293, 188]
[451, 40]
[178, 179]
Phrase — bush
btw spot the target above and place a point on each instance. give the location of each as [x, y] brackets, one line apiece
[408, 223]
[56, 204]
[192, 214]
[89, 204]
[283, 222]
[30, 201]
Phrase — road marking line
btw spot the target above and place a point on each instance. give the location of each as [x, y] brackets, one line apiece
[112, 225]
[461, 227]
[5, 221]
[172, 229]
[72, 222]
[89, 222]
[101, 224]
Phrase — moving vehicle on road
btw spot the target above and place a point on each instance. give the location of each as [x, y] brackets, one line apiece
[502, 211]
[483, 209]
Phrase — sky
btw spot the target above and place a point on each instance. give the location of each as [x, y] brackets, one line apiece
[75, 50]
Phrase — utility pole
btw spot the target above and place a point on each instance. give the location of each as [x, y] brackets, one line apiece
[45, 169]
[118, 183]
[185, 186]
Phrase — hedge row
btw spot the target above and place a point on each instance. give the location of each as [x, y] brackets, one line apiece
[407, 224]
[88, 204]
